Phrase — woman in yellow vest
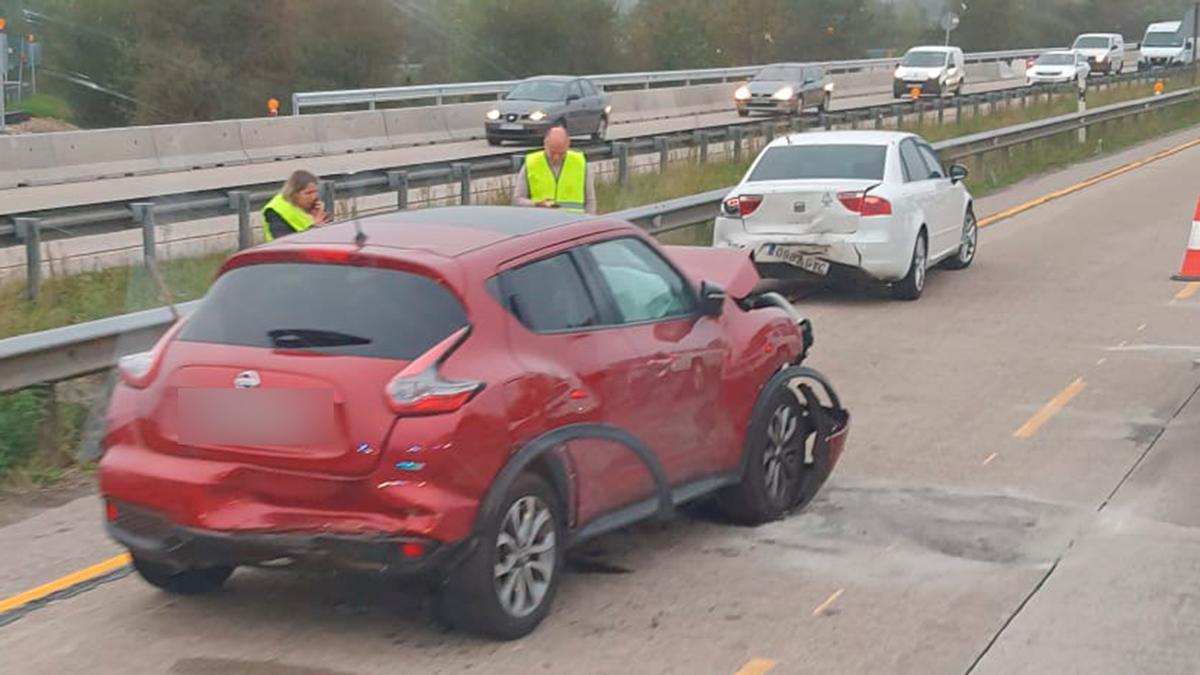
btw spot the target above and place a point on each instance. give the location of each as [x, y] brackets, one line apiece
[556, 177]
[296, 208]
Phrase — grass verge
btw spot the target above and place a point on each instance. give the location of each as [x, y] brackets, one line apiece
[44, 105]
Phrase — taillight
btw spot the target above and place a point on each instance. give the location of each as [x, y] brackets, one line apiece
[868, 205]
[420, 389]
[110, 511]
[742, 205]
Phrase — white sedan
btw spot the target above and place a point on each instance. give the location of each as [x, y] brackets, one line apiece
[1058, 67]
[873, 202]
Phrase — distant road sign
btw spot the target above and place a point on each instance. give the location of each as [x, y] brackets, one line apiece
[950, 21]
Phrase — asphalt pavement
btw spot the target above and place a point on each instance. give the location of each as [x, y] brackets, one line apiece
[1017, 497]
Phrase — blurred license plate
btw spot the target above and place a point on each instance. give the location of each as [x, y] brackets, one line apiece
[279, 417]
[511, 127]
[792, 256]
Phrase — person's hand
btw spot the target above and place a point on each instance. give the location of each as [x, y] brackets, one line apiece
[318, 214]
[547, 204]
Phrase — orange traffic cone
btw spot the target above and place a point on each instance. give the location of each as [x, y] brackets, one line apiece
[1190, 271]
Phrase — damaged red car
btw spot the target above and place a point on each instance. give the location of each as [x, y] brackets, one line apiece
[459, 395]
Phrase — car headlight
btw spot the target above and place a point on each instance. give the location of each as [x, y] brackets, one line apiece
[742, 93]
[829, 87]
[537, 115]
[608, 110]
[1102, 58]
[784, 94]
[493, 114]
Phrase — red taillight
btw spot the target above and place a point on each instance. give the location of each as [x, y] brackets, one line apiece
[748, 204]
[868, 205]
[420, 389]
[110, 511]
[412, 549]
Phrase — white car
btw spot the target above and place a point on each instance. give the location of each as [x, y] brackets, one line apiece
[878, 203]
[1164, 45]
[1058, 67]
[931, 71]
[1105, 52]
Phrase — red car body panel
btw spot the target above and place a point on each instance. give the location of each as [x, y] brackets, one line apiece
[685, 387]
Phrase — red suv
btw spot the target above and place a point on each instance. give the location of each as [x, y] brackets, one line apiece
[460, 395]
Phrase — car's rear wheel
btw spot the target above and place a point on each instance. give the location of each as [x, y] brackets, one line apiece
[601, 130]
[780, 468]
[743, 113]
[913, 284]
[966, 249]
[193, 581]
[493, 141]
[506, 585]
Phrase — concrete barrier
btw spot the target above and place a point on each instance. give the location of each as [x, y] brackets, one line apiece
[465, 122]
[86, 155]
[352, 132]
[416, 126]
[26, 159]
[182, 147]
[280, 138]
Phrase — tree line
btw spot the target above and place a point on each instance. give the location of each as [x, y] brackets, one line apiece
[121, 62]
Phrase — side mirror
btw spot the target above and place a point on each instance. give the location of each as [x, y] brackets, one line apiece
[712, 299]
[958, 173]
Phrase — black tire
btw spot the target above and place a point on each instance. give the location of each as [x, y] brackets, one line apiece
[470, 597]
[601, 132]
[743, 113]
[493, 141]
[771, 448]
[826, 100]
[968, 247]
[195, 581]
[913, 284]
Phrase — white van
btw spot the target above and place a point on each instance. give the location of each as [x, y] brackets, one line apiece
[1105, 52]
[931, 71]
[1164, 45]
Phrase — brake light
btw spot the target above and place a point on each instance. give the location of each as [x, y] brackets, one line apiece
[865, 205]
[420, 389]
[110, 511]
[742, 205]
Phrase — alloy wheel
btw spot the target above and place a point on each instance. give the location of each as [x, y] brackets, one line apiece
[526, 547]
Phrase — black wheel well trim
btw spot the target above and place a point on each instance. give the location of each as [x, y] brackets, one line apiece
[786, 377]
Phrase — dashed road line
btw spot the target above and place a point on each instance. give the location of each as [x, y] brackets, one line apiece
[1188, 291]
[756, 667]
[1048, 411]
[828, 602]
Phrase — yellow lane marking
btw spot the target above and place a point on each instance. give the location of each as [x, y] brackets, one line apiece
[62, 583]
[1058, 194]
[1141, 328]
[1051, 409]
[828, 601]
[756, 667]
[990, 457]
[1188, 291]
[1102, 361]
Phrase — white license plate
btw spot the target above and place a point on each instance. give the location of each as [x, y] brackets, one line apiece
[791, 256]
[512, 127]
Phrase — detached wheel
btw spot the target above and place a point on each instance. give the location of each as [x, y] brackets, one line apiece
[966, 249]
[781, 473]
[195, 581]
[913, 284]
[505, 587]
[601, 130]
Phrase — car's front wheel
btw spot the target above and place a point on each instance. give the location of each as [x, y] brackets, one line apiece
[504, 588]
[966, 248]
[193, 581]
[601, 132]
[913, 284]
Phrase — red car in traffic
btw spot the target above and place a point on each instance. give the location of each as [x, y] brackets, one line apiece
[460, 395]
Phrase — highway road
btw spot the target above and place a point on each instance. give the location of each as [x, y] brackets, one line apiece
[1017, 497]
[57, 196]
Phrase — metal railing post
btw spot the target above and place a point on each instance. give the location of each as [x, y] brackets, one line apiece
[463, 171]
[328, 196]
[878, 118]
[29, 230]
[143, 212]
[735, 133]
[700, 142]
[899, 115]
[239, 200]
[663, 144]
[621, 152]
[398, 181]
[941, 111]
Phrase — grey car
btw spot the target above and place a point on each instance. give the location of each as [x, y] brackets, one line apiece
[785, 88]
[538, 103]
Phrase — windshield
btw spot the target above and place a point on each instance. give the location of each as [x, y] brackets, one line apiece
[925, 59]
[799, 162]
[538, 90]
[1056, 60]
[780, 73]
[1092, 42]
[327, 309]
[1163, 39]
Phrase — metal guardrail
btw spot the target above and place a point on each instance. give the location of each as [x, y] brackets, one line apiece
[83, 349]
[440, 92]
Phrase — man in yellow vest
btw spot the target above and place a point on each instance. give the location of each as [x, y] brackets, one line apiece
[556, 177]
[296, 208]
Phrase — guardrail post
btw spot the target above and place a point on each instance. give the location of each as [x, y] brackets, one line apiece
[736, 134]
[975, 107]
[143, 212]
[398, 181]
[768, 131]
[826, 121]
[239, 200]
[899, 115]
[328, 196]
[463, 171]
[621, 152]
[29, 230]
[878, 118]
[663, 145]
[700, 141]
[941, 110]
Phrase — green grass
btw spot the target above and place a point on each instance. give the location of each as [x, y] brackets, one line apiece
[44, 105]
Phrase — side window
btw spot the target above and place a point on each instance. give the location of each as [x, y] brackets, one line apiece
[932, 162]
[548, 295]
[589, 89]
[910, 159]
[643, 286]
[575, 90]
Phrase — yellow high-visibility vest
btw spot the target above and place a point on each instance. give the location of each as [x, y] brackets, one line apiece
[568, 190]
[297, 218]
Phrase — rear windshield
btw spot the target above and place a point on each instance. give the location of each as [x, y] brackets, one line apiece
[1094, 42]
[792, 162]
[538, 90]
[924, 59]
[1163, 39]
[327, 309]
[780, 73]
[1056, 60]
